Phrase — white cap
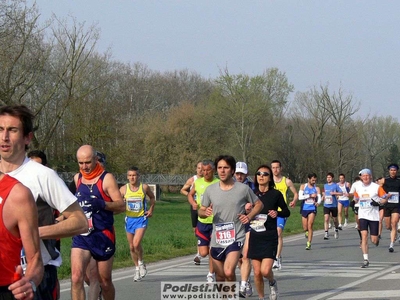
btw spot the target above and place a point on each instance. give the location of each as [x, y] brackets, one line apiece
[241, 167]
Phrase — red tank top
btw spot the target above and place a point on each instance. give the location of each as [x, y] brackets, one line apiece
[10, 246]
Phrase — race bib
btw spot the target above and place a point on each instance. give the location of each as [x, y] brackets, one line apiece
[309, 201]
[134, 204]
[257, 224]
[394, 197]
[328, 200]
[225, 233]
[365, 201]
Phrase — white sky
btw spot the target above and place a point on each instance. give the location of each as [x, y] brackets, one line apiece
[350, 44]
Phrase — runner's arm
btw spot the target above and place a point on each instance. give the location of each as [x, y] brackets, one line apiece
[152, 198]
[186, 187]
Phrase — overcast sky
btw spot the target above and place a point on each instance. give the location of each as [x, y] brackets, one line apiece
[349, 44]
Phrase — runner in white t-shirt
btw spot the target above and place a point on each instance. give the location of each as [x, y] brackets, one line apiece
[370, 196]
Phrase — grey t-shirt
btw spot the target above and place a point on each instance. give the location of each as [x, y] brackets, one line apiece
[226, 206]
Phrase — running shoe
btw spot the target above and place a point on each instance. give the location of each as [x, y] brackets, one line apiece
[365, 264]
[340, 227]
[249, 289]
[242, 291]
[356, 227]
[391, 250]
[273, 291]
[210, 278]
[275, 266]
[197, 260]
[279, 259]
[336, 234]
[330, 225]
[308, 246]
[345, 223]
[306, 234]
[136, 277]
[142, 270]
[326, 236]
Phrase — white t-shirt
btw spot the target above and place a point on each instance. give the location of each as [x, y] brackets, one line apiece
[364, 193]
[45, 184]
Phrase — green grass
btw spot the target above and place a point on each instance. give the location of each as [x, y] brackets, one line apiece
[170, 233]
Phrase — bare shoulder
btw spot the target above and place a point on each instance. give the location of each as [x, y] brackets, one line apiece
[289, 182]
[20, 195]
[122, 189]
[190, 181]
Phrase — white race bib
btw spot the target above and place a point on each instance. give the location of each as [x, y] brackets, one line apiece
[328, 199]
[394, 197]
[134, 204]
[225, 233]
[365, 201]
[258, 223]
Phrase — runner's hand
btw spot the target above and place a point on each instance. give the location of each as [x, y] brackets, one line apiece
[98, 204]
[243, 218]
[209, 211]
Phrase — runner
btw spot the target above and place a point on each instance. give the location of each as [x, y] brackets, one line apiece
[136, 220]
[193, 210]
[204, 225]
[370, 196]
[245, 289]
[283, 185]
[98, 194]
[48, 189]
[311, 196]
[343, 201]
[331, 190]
[226, 200]
[391, 185]
[263, 241]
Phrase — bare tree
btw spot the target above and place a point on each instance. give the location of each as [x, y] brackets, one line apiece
[22, 53]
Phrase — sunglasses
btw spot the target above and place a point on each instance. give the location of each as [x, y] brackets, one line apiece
[262, 173]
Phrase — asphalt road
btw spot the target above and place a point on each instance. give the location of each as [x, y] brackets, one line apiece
[330, 270]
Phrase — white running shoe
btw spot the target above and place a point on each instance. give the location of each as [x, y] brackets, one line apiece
[336, 234]
[210, 278]
[345, 223]
[330, 225]
[279, 262]
[136, 277]
[326, 236]
[242, 291]
[273, 291]
[142, 270]
[275, 266]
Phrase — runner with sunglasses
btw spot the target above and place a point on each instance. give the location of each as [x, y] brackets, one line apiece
[263, 241]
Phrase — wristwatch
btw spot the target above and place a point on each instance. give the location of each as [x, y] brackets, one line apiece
[33, 286]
